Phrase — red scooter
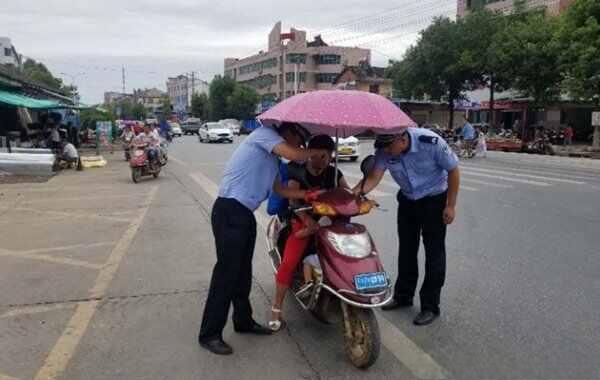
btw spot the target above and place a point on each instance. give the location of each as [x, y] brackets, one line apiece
[140, 163]
[351, 280]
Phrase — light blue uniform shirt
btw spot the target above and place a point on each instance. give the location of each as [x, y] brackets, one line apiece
[422, 170]
[251, 171]
[468, 132]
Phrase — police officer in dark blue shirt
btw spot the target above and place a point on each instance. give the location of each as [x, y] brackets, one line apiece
[426, 170]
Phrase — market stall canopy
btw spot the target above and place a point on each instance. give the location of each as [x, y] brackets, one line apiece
[17, 100]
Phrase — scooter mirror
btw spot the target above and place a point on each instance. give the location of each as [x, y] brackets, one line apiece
[367, 165]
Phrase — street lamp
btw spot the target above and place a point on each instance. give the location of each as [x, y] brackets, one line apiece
[74, 97]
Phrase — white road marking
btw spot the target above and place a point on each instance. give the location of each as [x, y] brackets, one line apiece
[62, 352]
[70, 247]
[543, 171]
[420, 363]
[28, 310]
[535, 183]
[6, 377]
[486, 183]
[525, 175]
[49, 258]
[394, 185]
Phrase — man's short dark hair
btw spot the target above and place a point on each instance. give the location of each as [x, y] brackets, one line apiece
[294, 128]
[322, 142]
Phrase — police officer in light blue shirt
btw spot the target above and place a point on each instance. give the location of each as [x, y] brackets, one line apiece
[468, 135]
[426, 170]
[247, 181]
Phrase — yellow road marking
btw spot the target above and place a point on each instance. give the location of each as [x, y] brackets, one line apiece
[65, 347]
[49, 258]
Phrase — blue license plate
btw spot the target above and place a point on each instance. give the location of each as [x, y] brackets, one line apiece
[370, 281]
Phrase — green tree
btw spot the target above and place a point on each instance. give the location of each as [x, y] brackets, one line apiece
[166, 108]
[38, 72]
[221, 88]
[138, 111]
[200, 106]
[528, 51]
[435, 66]
[90, 116]
[580, 42]
[241, 104]
[480, 29]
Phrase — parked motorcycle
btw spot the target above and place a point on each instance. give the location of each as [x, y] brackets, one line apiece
[351, 281]
[541, 145]
[141, 166]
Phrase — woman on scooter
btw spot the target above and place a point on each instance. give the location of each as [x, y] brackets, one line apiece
[315, 174]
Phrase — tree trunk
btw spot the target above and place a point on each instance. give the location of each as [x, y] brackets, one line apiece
[492, 113]
[451, 111]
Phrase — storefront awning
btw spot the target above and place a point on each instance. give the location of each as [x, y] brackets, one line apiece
[18, 100]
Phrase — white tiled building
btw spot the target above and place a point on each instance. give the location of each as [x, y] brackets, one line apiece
[181, 89]
[8, 53]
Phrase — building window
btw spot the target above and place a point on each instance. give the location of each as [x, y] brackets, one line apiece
[289, 77]
[326, 77]
[7, 52]
[329, 59]
[296, 58]
[374, 88]
[258, 66]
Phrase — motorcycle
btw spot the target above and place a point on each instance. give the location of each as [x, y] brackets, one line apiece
[541, 145]
[141, 166]
[351, 281]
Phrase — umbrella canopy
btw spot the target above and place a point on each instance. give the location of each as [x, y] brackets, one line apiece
[341, 113]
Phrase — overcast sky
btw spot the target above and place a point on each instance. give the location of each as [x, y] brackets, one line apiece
[89, 41]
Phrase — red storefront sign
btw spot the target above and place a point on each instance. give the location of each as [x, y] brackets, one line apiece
[504, 105]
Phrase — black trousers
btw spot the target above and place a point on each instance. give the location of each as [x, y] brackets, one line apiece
[416, 218]
[234, 228]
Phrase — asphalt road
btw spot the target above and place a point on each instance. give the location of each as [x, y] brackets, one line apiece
[521, 298]
[523, 292]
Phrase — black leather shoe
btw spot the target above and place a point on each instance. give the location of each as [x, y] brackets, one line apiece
[255, 329]
[425, 317]
[397, 305]
[217, 346]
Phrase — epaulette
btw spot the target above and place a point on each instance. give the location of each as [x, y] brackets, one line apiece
[428, 139]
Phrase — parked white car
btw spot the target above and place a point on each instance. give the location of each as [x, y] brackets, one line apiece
[349, 148]
[176, 129]
[215, 132]
[232, 124]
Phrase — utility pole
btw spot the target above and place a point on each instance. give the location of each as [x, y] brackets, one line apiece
[123, 78]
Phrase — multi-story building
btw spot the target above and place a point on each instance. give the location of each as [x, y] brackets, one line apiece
[116, 97]
[365, 78]
[181, 89]
[292, 64]
[152, 99]
[553, 7]
[8, 53]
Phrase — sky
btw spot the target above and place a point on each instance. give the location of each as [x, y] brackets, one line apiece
[89, 42]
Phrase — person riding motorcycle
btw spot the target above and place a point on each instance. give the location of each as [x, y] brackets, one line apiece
[151, 143]
[315, 174]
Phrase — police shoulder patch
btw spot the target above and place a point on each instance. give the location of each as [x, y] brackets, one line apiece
[428, 139]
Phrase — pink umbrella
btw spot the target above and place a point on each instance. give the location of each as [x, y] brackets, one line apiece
[341, 113]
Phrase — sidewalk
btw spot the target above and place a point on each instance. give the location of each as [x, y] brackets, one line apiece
[106, 279]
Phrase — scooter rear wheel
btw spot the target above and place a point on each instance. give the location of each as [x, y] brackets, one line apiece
[362, 343]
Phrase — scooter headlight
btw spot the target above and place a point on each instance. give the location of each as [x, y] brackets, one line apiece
[357, 246]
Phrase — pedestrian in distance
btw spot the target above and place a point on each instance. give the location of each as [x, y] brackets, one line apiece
[568, 135]
[426, 169]
[249, 177]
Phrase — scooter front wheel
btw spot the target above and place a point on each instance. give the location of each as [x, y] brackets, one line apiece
[136, 174]
[362, 341]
